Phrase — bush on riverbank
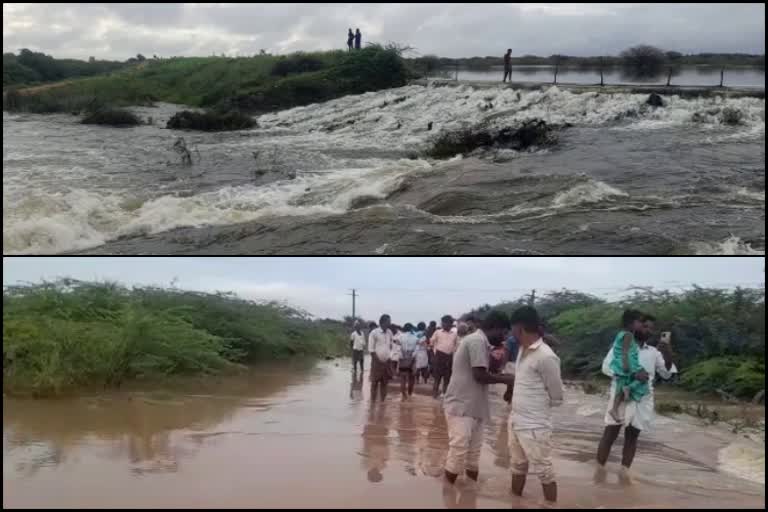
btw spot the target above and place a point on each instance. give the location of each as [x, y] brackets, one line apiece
[370, 69]
[112, 117]
[69, 334]
[210, 121]
[738, 376]
[718, 336]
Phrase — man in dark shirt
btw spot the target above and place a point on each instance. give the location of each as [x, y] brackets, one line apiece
[358, 37]
[508, 65]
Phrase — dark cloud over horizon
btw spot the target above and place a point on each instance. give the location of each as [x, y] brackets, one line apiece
[118, 31]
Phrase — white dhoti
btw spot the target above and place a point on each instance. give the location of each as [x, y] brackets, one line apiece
[639, 414]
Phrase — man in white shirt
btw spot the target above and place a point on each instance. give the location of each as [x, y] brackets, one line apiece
[537, 388]
[380, 347]
[444, 342]
[357, 341]
[641, 414]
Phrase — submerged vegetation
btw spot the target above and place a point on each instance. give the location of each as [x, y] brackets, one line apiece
[210, 121]
[718, 336]
[112, 117]
[64, 335]
[532, 133]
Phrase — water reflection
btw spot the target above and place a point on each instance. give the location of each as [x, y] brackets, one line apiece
[150, 430]
[459, 496]
[356, 387]
[375, 451]
[408, 434]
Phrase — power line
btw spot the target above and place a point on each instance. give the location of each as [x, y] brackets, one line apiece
[526, 291]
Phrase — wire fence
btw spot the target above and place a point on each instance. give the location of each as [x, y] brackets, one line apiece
[602, 77]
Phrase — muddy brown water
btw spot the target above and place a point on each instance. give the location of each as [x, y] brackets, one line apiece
[308, 436]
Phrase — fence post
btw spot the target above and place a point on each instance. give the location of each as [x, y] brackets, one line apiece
[601, 72]
[669, 76]
[722, 71]
[557, 64]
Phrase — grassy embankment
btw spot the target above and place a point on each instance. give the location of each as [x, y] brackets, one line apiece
[68, 335]
[249, 84]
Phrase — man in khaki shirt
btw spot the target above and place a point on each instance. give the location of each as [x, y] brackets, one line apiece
[538, 387]
[466, 405]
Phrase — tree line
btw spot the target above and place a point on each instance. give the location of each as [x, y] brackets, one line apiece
[718, 335]
[640, 59]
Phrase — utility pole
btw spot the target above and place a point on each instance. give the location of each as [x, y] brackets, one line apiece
[354, 296]
[532, 300]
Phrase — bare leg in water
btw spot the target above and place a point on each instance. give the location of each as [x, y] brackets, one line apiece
[518, 483]
[630, 446]
[610, 434]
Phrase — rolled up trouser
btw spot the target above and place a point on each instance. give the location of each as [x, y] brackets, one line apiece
[530, 451]
[465, 440]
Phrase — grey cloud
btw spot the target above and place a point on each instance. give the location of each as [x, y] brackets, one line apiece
[121, 30]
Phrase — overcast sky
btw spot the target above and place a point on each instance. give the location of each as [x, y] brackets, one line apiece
[119, 31]
[410, 289]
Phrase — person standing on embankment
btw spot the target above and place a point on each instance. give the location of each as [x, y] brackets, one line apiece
[508, 65]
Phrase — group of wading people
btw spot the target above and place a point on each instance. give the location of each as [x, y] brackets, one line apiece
[464, 358]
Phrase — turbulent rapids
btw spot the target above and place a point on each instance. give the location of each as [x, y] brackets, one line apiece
[353, 176]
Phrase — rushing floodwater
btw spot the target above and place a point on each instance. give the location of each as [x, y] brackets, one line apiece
[700, 76]
[307, 437]
[345, 177]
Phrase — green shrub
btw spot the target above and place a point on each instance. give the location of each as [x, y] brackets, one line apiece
[112, 117]
[68, 334]
[210, 121]
[738, 376]
[296, 63]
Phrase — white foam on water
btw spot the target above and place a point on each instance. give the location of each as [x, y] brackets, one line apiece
[341, 150]
[731, 246]
[403, 124]
[744, 459]
[591, 192]
[744, 192]
[49, 223]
